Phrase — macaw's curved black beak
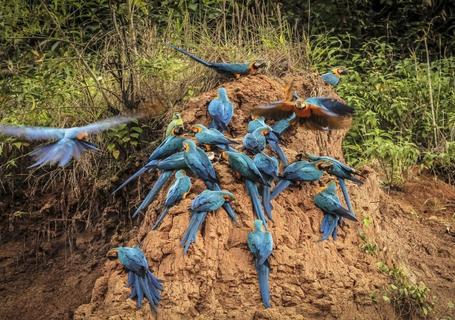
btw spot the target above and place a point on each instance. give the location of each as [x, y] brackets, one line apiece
[112, 254]
[343, 71]
[260, 64]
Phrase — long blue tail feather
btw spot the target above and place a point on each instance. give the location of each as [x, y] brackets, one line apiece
[159, 184]
[148, 286]
[263, 271]
[190, 235]
[280, 187]
[254, 195]
[160, 218]
[274, 145]
[266, 202]
[346, 195]
[192, 56]
[134, 176]
[329, 226]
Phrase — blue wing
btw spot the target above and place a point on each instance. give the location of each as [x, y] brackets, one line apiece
[32, 133]
[103, 125]
[330, 78]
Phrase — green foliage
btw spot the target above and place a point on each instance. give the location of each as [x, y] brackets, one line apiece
[408, 298]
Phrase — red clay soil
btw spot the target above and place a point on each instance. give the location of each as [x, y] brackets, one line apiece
[309, 279]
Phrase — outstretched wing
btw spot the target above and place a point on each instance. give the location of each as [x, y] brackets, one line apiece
[103, 125]
[275, 110]
[32, 133]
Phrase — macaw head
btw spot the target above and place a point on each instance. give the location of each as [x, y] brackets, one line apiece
[82, 135]
[228, 196]
[222, 93]
[112, 254]
[258, 225]
[323, 165]
[340, 71]
[301, 104]
[178, 131]
[176, 116]
[330, 187]
[180, 174]
[197, 128]
[264, 131]
[188, 145]
[257, 65]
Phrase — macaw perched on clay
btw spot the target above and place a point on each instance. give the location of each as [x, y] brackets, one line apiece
[176, 125]
[178, 191]
[231, 69]
[333, 76]
[342, 172]
[260, 243]
[328, 201]
[201, 166]
[245, 166]
[268, 166]
[68, 143]
[211, 137]
[273, 137]
[204, 203]
[319, 113]
[170, 146]
[221, 111]
[140, 279]
[166, 166]
[256, 141]
[299, 171]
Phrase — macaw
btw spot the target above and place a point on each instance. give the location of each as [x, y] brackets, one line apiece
[333, 77]
[175, 125]
[245, 166]
[205, 136]
[140, 279]
[69, 142]
[163, 178]
[298, 171]
[255, 141]
[205, 202]
[273, 137]
[260, 243]
[342, 172]
[320, 113]
[178, 191]
[168, 147]
[201, 166]
[233, 69]
[268, 166]
[221, 111]
[328, 201]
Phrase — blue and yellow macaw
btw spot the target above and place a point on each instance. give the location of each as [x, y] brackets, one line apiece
[333, 76]
[342, 172]
[212, 137]
[260, 243]
[201, 166]
[299, 171]
[178, 191]
[232, 69]
[246, 167]
[176, 125]
[328, 201]
[268, 166]
[69, 142]
[319, 113]
[170, 146]
[221, 111]
[204, 203]
[273, 137]
[140, 279]
[255, 141]
[166, 166]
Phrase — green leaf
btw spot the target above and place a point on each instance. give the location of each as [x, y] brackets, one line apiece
[116, 154]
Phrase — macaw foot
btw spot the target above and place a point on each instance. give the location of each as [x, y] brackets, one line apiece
[236, 76]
